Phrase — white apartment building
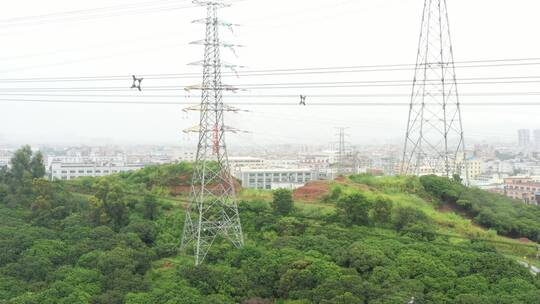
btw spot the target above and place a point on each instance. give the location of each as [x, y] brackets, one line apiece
[186, 156]
[275, 178]
[475, 167]
[238, 162]
[68, 171]
[489, 181]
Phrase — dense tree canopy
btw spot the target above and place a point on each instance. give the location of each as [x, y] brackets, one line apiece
[508, 217]
[97, 241]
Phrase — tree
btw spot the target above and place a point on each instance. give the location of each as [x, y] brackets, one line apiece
[24, 161]
[36, 166]
[404, 216]
[146, 230]
[150, 207]
[20, 162]
[382, 210]
[354, 209]
[291, 226]
[282, 202]
[109, 205]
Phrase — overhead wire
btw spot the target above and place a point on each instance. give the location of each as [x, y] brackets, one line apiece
[349, 104]
[299, 71]
[89, 10]
[99, 13]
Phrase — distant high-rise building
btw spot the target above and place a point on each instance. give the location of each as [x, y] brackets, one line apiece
[536, 134]
[524, 137]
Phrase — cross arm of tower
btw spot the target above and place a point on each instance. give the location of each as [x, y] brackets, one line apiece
[198, 129]
[222, 64]
[216, 21]
[226, 108]
[223, 44]
[223, 87]
[212, 3]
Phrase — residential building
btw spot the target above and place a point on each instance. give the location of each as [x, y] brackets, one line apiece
[522, 188]
[536, 134]
[524, 137]
[474, 168]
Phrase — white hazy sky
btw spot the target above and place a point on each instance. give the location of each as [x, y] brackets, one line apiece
[277, 34]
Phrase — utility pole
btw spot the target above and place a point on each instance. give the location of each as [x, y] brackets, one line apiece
[212, 211]
[434, 141]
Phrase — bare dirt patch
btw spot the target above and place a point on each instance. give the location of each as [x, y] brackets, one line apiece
[312, 191]
[167, 265]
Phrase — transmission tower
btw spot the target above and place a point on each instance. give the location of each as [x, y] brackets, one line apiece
[341, 152]
[434, 142]
[212, 210]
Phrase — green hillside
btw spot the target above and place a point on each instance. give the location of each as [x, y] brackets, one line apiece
[366, 240]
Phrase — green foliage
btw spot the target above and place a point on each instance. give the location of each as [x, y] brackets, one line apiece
[113, 246]
[282, 202]
[506, 216]
[354, 209]
[108, 205]
[382, 210]
[405, 216]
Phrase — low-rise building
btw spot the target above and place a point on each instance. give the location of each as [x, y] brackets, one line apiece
[522, 188]
[238, 162]
[68, 171]
[275, 178]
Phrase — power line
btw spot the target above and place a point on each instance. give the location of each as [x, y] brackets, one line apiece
[299, 71]
[83, 11]
[172, 88]
[314, 85]
[99, 14]
[103, 12]
[292, 103]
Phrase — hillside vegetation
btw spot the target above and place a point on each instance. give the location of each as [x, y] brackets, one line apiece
[367, 240]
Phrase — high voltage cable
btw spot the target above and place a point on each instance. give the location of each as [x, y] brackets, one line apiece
[254, 96]
[105, 12]
[99, 13]
[83, 11]
[375, 95]
[294, 71]
[320, 85]
[117, 14]
[349, 104]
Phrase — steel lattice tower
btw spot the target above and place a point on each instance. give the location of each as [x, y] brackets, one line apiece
[434, 142]
[212, 210]
[341, 152]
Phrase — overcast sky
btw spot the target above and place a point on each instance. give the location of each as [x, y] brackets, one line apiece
[277, 34]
